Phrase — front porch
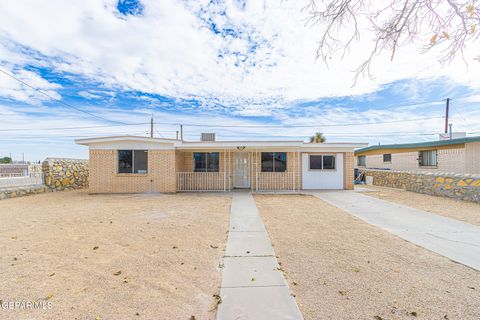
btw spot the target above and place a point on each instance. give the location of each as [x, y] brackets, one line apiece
[234, 169]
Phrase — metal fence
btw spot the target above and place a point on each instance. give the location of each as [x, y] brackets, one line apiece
[16, 180]
[275, 181]
[13, 170]
[202, 181]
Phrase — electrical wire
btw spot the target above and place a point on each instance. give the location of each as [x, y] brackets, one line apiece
[58, 100]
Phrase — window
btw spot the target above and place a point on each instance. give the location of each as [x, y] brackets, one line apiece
[274, 161]
[427, 158]
[362, 161]
[315, 162]
[322, 162]
[133, 161]
[387, 157]
[206, 161]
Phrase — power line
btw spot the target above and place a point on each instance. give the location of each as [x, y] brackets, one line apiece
[228, 136]
[72, 128]
[56, 99]
[293, 125]
[225, 126]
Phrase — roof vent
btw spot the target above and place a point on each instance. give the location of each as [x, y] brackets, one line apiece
[207, 137]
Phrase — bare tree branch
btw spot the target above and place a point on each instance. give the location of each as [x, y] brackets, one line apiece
[447, 25]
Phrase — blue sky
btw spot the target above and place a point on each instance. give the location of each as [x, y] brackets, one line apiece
[204, 63]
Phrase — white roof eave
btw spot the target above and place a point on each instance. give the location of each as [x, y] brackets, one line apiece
[297, 145]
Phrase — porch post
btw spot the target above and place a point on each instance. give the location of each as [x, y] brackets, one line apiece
[299, 170]
[224, 170]
[294, 172]
[256, 170]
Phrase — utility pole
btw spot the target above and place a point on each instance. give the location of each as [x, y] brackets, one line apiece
[447, 107]
[181, 132]
[151, 127]
[451, 133]
[177, 135]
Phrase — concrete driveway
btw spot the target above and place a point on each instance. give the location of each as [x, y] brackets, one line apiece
[456, 240]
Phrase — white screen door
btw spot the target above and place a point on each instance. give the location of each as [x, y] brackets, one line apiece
[241, 174]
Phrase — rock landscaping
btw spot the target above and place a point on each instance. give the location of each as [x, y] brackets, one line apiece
[451, 185]
[65, 174]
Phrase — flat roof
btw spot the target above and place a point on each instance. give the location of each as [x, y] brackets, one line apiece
[428, 144]
[179, 144]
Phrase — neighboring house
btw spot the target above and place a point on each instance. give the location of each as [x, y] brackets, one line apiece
[460, 155]
[130, 164]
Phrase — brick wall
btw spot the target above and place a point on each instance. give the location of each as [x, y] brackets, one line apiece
[104, 178]
[185, 163]
[348, 172]
[458, 186]
[291, 179]
[472, 157]
[449, 160]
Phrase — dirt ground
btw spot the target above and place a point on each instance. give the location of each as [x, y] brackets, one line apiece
[340, 267]
[455, 209]
[112, 256]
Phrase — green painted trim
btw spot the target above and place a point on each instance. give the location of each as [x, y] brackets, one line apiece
[428, 144]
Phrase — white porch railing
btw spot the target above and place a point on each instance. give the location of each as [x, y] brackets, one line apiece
[14, 180]
[202, 181]
[276, 181]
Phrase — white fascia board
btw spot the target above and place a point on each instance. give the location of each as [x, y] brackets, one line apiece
[330, 147]
[127, 142]
[243, 145]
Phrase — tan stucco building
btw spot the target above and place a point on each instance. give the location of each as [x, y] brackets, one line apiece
[131, 164]
[460, 155]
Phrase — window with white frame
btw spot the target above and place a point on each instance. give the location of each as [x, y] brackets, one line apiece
[133, 161]
[361, 161]
[427, 158]
[321, 162]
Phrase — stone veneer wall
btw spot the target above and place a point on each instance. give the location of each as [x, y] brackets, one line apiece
[458, 186]
[65, 174]
[14, 192]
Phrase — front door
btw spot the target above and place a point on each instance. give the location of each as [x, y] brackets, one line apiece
[241, 172]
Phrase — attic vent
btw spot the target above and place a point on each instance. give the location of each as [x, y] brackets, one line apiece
[207, 137]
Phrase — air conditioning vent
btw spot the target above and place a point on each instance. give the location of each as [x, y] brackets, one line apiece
[207, 137]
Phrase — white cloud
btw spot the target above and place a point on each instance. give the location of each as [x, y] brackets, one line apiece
[170, 50]
[89, 95]
[15, 90]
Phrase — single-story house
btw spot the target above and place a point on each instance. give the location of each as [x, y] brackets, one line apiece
[132, 164]
[460, 155]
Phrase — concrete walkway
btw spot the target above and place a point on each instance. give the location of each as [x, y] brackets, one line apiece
[456, 240]
[252, 286]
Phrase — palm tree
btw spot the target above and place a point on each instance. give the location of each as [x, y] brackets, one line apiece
[317, 138]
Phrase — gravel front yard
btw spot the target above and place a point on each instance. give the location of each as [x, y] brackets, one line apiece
[340, 267]
[112, 256]
[455, 209]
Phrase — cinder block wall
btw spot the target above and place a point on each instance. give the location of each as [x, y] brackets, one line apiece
[104, 176]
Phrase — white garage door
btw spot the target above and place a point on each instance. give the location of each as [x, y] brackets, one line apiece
[320, 178]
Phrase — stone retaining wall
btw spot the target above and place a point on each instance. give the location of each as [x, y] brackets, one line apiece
[458, 186]
[14, 192]
[65, 174]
